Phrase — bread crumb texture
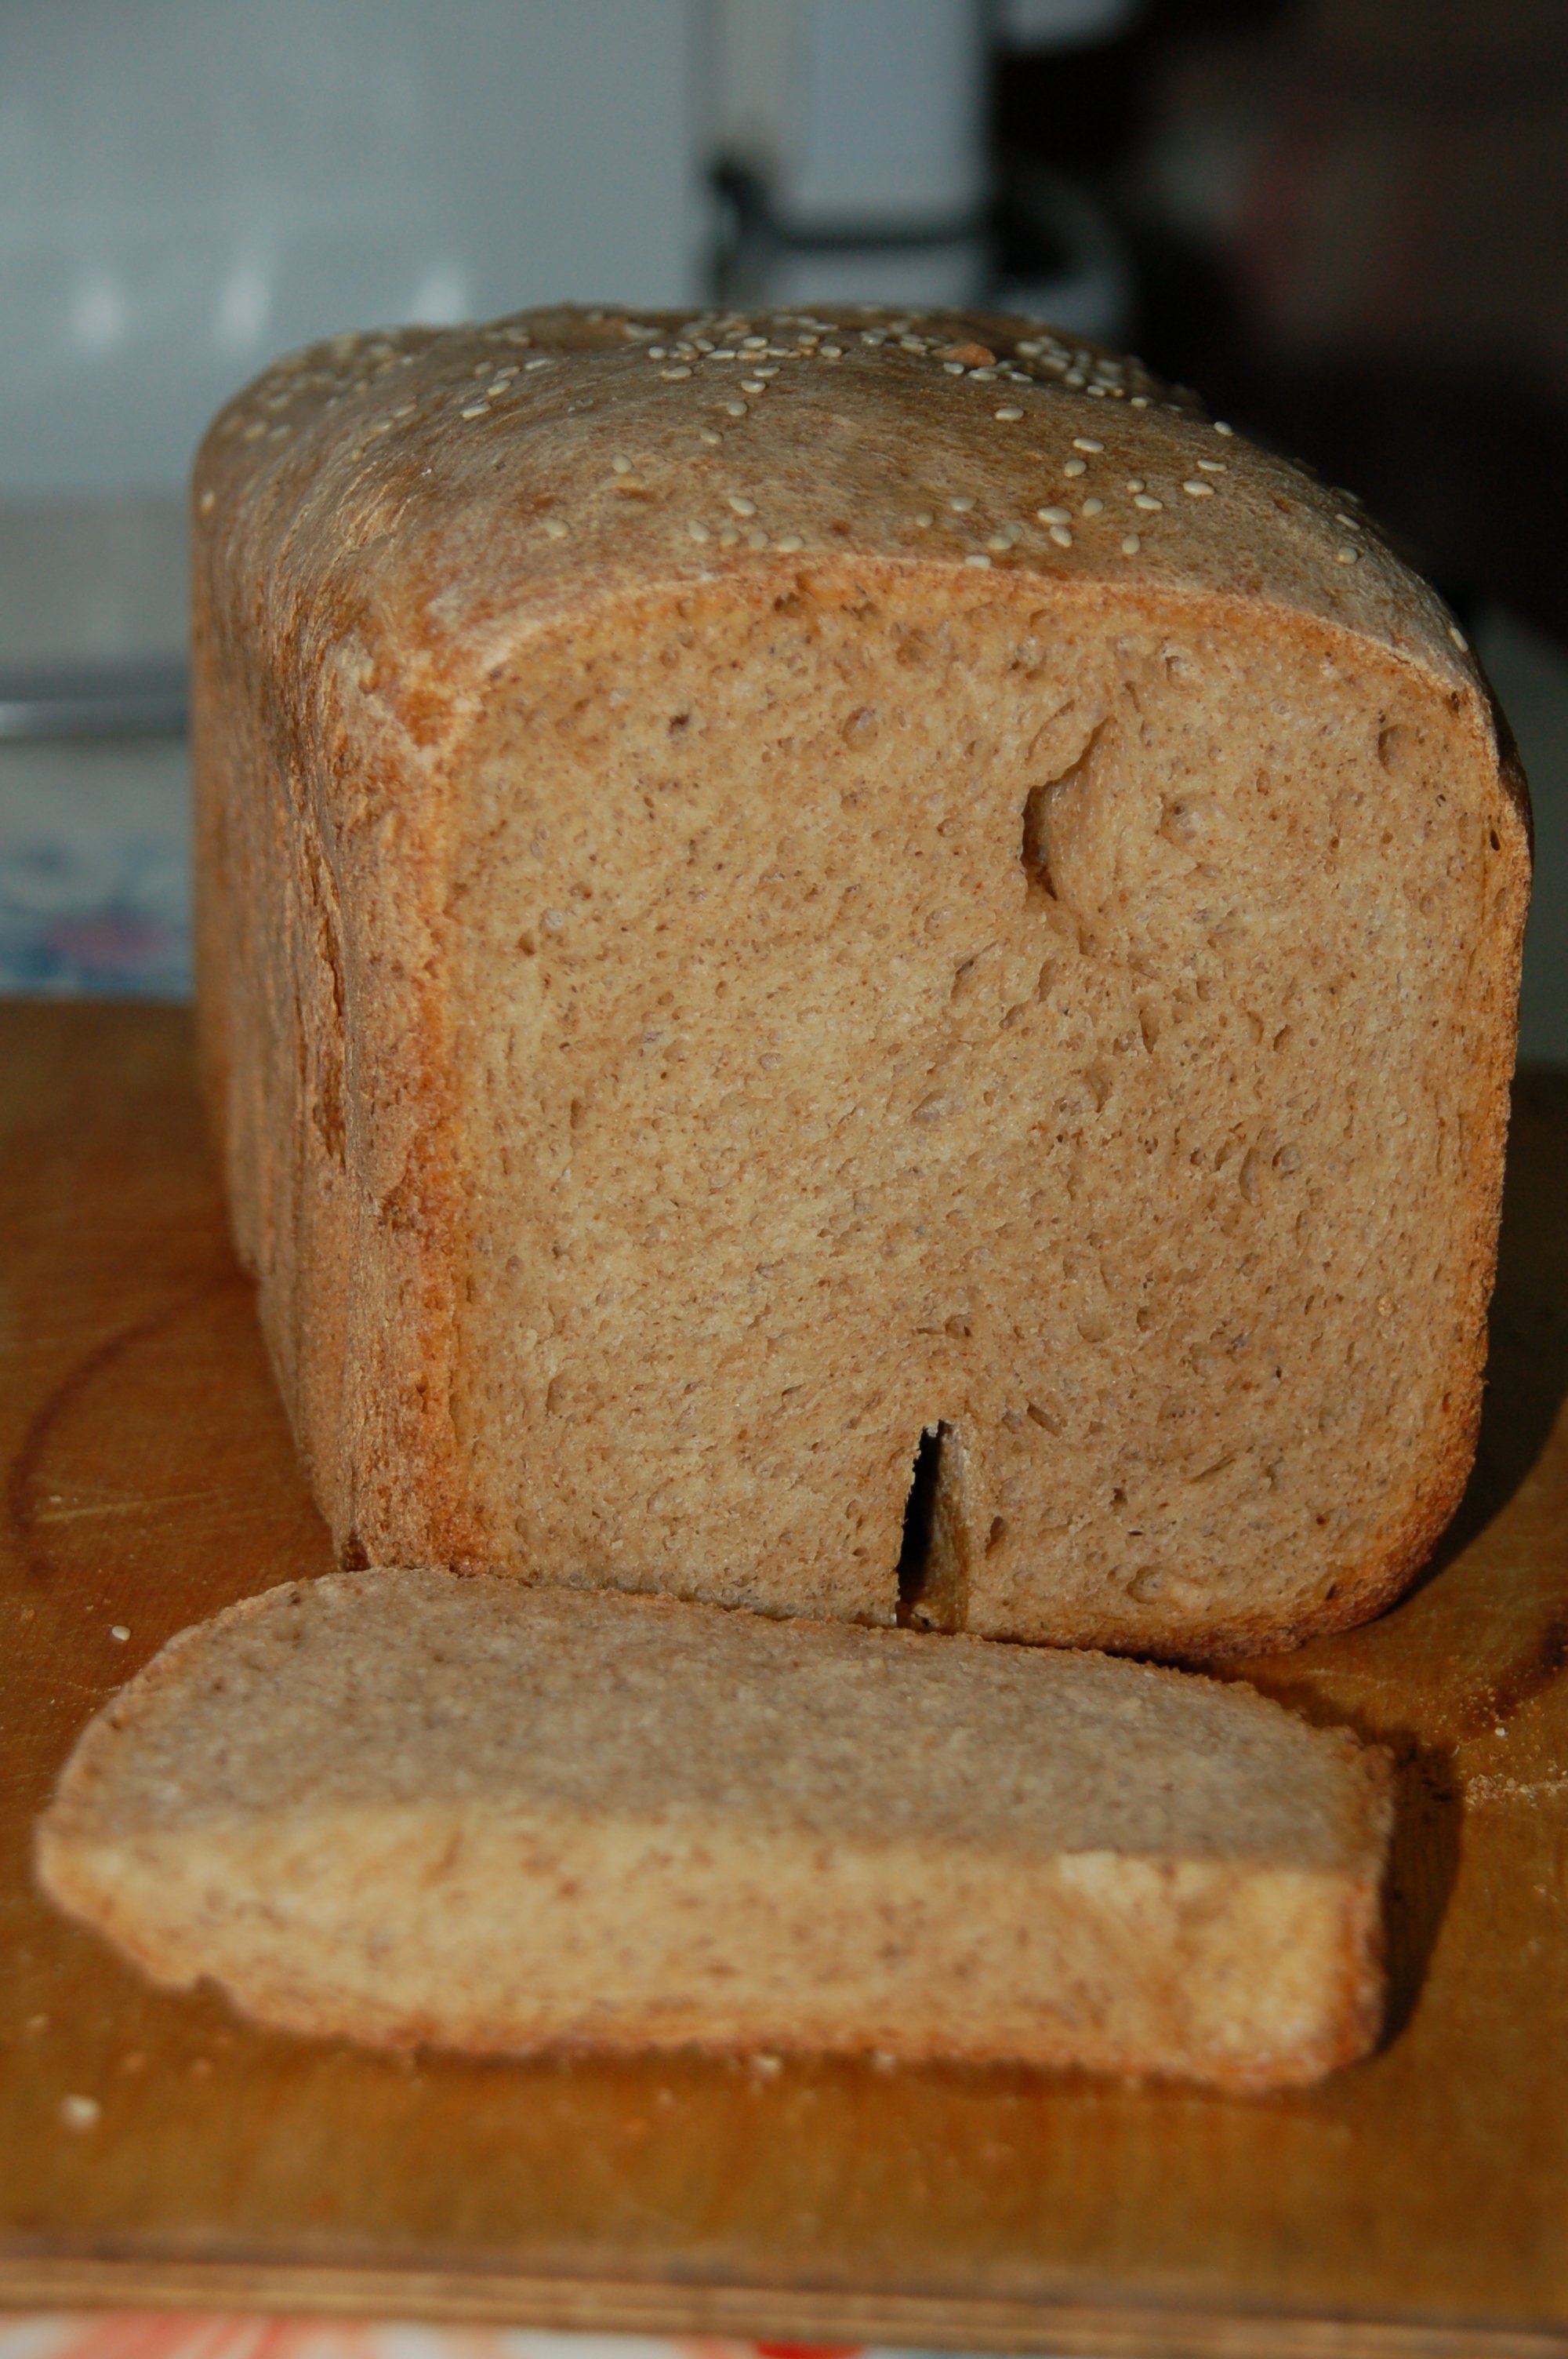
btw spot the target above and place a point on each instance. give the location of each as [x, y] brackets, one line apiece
[414, 1806]
[771, 886]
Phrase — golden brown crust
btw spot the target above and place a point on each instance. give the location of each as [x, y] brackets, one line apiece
[383, 522]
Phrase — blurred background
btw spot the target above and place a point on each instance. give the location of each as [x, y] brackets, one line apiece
[1345, 220]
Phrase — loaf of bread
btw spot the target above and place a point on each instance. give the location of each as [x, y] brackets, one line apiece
[774, 886]
[412, 1806]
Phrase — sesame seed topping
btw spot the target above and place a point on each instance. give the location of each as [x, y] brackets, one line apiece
[999, 541]
[119, 1633]
[1061, 536]
[1197, 489]
[622, 465]
[680, 369]
[1221, 428]
[977, 560]
[1347, 556]
[729, 536]
[706, 434]
[952, 368]
[985, 376]
[923, 517]
[790, 541]
[741, 505]
[79, 2113]
[542, 361]
[753, 385]
[1353, 522]
[1460, 641]
[1139, 401]
[1054, 515]
[756, 541]
[1086, 443]
[1130, 544]
[1135, 483]
[765, 374]
[697, 531]
[753, 344]
[1213, 466]
[1010, 412]
[475, 410]
[832, 353]
[1146, 500]
[556, 528]
[208, 502]
[961, 503]
[1093, 508]
[735, 409]
[1075, 467]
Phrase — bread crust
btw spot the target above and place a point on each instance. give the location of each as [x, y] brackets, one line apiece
[376, 546]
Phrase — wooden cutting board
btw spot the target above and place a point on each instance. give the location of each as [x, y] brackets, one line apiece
[1415, 2205]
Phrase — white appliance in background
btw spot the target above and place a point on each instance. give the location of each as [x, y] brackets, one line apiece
[850, 140]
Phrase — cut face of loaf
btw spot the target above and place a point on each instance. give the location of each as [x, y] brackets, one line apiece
[414, 1806]
[743, 928]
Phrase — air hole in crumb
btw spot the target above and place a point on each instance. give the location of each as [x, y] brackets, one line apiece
[1034, 849]
[919, 1521]
[1494, 839]
[997, 1534]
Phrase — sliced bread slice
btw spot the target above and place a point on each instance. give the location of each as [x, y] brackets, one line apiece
[412, 1806]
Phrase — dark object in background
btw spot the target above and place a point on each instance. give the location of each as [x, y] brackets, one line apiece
[1349, 225]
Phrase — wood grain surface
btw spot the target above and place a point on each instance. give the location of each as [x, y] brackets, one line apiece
[1417, 2203]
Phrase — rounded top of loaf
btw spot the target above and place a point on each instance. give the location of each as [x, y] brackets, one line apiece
[436, 493]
